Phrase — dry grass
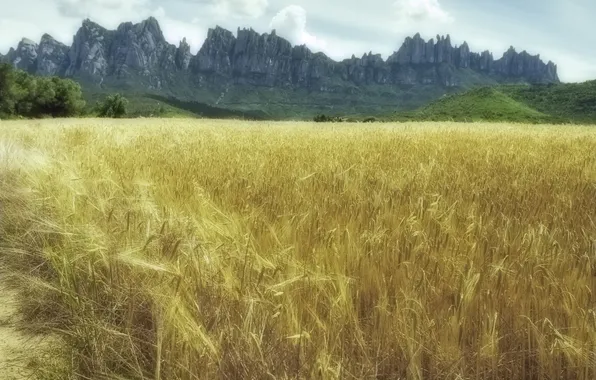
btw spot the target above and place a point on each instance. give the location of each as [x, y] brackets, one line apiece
[230, 250]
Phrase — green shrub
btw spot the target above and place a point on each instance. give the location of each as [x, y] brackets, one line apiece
[26, 95]
[328, 119]
[113, 106]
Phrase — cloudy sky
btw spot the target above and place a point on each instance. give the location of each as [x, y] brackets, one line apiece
[558, 30]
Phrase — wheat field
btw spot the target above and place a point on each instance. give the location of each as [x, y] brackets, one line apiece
[181, 249]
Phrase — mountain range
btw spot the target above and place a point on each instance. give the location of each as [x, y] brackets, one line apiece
[251, 70]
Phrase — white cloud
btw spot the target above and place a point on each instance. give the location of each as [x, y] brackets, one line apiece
[426, 17]
[421, 11]
[290, 23]
[175, 30]
[239, 9]
[107, 13]
[101, 8]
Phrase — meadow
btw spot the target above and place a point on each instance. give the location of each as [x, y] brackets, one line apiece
[193, 249]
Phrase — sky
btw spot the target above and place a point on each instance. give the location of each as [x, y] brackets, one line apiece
[558, 30]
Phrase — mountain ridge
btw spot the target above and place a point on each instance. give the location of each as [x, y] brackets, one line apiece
[138, 57]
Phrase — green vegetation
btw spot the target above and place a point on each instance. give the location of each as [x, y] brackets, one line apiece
[322, 118]
[207, 111]
[573, 103]
[560, 103]
[25, 95]
[570, 102]
[191, 98]
[485, 103]
[113, 106]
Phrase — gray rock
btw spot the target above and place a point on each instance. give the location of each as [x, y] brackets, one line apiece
[310, 69]
[369, 69]
[25, 55]
[264, 59]
[52, 56]
[139, 52]
[140, 49]
[183, 55]
[430, 51]
[214, 57]
[89, 53]
[463, 56]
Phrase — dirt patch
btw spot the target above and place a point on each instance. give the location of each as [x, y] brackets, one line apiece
[17, 347]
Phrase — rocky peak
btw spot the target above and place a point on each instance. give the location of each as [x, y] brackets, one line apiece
[525, 65]
[219, 33]
[183, 55]
[214, 55]
[151, 26]
[266, 55]
[462, 58]
[415, 51]
[46, 58]
[89, 52]
[92, 29]
[262, 60]
[51, 56]
[251, 42]
[141, 48]
[443, 50]
[300, 52]
[25, 55]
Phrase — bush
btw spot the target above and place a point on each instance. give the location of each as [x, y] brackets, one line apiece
[321, 118]
[370, 119]
[113, 106]
[6, 95]
[328, 119]
[26, 95]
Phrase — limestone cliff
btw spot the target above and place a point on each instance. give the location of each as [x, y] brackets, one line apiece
[140, 52]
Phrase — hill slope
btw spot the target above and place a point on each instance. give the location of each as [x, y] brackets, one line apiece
[572, 102]
[556, 103]
[485, 103]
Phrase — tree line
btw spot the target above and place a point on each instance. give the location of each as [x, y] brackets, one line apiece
[30, 96]
[26, 95]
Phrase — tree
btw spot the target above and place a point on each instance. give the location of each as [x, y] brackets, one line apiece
[6, 90]
[68, 98]
[113, 106]
[23, 94]
[328, 119]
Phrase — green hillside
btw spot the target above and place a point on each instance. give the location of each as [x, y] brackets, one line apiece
[485, 103]
[569, 102]
[555, 103]
[151, 105]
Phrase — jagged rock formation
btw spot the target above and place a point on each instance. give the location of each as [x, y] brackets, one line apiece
[51, 56]
[25, 55]
[249, 58]
[183, 55]
[45, 58]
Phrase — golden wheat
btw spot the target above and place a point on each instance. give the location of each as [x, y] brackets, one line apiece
[179, 249]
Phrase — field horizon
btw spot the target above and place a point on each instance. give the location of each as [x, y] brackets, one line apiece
[217, 249]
